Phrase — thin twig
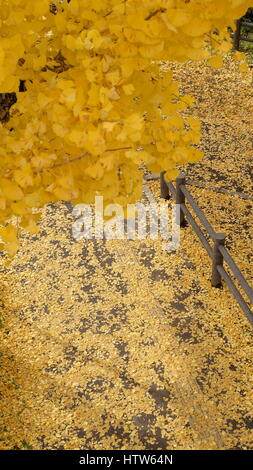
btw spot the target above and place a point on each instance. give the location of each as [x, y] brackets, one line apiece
[107, 14]
[63, 163]
[79, 158]
[218, 42]
[153, 13]
[122, 148]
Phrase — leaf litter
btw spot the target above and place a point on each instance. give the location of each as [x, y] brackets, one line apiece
[120, 344]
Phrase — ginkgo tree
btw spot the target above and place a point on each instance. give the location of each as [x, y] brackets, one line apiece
[96, 104]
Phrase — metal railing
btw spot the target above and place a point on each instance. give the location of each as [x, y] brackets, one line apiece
[218, 253]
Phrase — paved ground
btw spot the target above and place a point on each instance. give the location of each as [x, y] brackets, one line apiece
[122, 345]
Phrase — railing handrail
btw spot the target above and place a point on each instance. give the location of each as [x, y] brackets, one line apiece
[198, 212]
[246, 23]
[219, 253]
[239, 276]
[237, 37]
[198, 231]
[195, 226]
[243, 38]
[236, 293]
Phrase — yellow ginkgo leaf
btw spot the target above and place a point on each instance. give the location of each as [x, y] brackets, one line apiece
[8, 233]
[171, 175]
[188, 99]
[216, 62]
[29, 223]
[19, 208]
[244, 67]
[12, 248]
[128, 89]
[11, 190]
[24, 176]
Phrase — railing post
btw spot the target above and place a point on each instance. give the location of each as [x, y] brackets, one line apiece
[164, 190]
[219, 240]
[180, 197]
[236, 38]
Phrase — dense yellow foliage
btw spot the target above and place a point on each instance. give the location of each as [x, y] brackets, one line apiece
[96, 100]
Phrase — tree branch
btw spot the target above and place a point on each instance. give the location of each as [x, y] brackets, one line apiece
[79, 158]
[155, 12]
[208, 35]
